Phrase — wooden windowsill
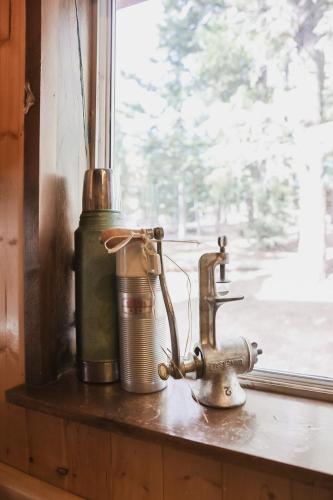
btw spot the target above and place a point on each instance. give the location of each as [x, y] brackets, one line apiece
[284, 434]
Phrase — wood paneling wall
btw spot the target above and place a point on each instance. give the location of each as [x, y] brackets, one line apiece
[101, 465]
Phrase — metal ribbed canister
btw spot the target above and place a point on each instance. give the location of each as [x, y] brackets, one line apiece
[143, 333]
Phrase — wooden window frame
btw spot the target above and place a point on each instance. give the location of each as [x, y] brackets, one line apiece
[314, 387]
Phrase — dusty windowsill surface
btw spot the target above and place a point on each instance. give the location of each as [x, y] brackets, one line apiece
[283, 434]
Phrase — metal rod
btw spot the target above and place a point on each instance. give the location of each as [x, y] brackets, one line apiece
[83, 97]
[170, 312]
[196, 242]
[92, 85]
[105, 83]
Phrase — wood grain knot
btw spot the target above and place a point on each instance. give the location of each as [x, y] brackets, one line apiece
[62, 471]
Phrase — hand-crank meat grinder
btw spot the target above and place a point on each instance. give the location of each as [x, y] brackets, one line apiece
[213, 364]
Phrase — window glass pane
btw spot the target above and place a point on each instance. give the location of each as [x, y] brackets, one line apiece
[224, 125]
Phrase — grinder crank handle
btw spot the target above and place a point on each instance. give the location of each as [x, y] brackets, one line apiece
[159, 235]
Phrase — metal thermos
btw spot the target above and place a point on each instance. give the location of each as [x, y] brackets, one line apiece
[143, 333]
[95, 283]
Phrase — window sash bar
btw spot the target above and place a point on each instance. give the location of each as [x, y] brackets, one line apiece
[289, 384]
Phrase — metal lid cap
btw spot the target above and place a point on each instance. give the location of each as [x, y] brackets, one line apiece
[98, 190]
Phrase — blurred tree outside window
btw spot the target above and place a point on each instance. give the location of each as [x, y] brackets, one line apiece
[224, 125]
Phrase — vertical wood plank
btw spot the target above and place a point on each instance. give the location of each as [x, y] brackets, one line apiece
[31, 193]
[89, 456]
[15, 437]
[16, 485]
[301, 491]
[55, 160]
[47, 448]
[240, 483]
[190, 477]
[5, 16]
[247, 484]
[136, 469]
[12, 55]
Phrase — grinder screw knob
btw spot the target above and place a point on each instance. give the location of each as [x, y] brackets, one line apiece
[159, 233]
[222, 242]
[163, 371]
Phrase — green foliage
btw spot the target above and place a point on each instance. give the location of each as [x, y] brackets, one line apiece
[236, 61]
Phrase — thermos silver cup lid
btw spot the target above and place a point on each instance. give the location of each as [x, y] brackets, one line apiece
[98, 190]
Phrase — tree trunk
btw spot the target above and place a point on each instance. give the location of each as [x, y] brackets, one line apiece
[311, 246]
[197, 218]
[218, 224]
[181, 230]
[310, 79]
[153, 210]
[250, 208]
[310, 152]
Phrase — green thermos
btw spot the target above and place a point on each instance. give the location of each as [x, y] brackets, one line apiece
[95, 283]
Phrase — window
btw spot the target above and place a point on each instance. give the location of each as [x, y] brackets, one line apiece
[224, 125]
